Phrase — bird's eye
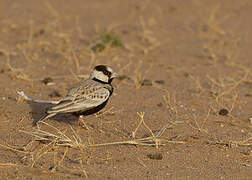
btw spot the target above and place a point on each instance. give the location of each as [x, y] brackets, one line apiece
[107, 73]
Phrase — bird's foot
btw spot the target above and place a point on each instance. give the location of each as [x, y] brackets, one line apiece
[82, 123]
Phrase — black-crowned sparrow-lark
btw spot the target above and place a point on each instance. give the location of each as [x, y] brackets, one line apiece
[86, 97]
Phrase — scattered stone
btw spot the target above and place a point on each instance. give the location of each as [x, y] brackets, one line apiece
[186, 74]
[160, 81]
[146, 82]
[47, 81]
[155, 156]
[11, 98]
[39, 33]
[54, 93]
[2, 53]
[123, 77]
[223, 112]
[2, 71]
[159, 104]
[172, 9]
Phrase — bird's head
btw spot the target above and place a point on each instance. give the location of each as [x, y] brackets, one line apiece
[103, 74]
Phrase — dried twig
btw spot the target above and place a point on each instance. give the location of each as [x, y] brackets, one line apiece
[61, 139]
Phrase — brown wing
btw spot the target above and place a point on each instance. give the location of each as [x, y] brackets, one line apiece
[82, 98]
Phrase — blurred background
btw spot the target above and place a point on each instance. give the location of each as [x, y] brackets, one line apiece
[183, 63]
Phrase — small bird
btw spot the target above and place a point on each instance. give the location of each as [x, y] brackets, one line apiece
[86, 97]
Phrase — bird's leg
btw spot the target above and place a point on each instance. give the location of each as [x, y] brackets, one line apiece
[82, 123]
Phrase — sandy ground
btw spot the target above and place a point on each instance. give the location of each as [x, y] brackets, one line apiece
[186, 77]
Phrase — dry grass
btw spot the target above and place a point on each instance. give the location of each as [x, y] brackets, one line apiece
[225, 85]
[18, 73]
[140, 74]
[8, 164]
[148, 36]
[224, 92]
[232, 143]
[219, 45]
[59, 138]
[170, 101]
[213, 139]
[53, 139]
[201, 128]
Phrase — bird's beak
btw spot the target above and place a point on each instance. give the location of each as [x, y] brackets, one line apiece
[114, 75]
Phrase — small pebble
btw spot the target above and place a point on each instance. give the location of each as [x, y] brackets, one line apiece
[54, 93]
[156, 156]
[186, 74]
[160, 81]
[123, 77]
[51, 168]
[47, 81]
[146, 82]
[223, 112]
[39, 33]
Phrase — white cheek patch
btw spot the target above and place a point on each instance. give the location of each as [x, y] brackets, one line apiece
[110, 69]
[99, 75]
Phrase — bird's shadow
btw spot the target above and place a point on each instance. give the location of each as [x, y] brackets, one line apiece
[38, 111]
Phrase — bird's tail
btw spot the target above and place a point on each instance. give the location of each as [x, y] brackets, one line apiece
[35, 122]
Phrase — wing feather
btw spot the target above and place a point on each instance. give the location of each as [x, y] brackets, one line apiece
[82, 99]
